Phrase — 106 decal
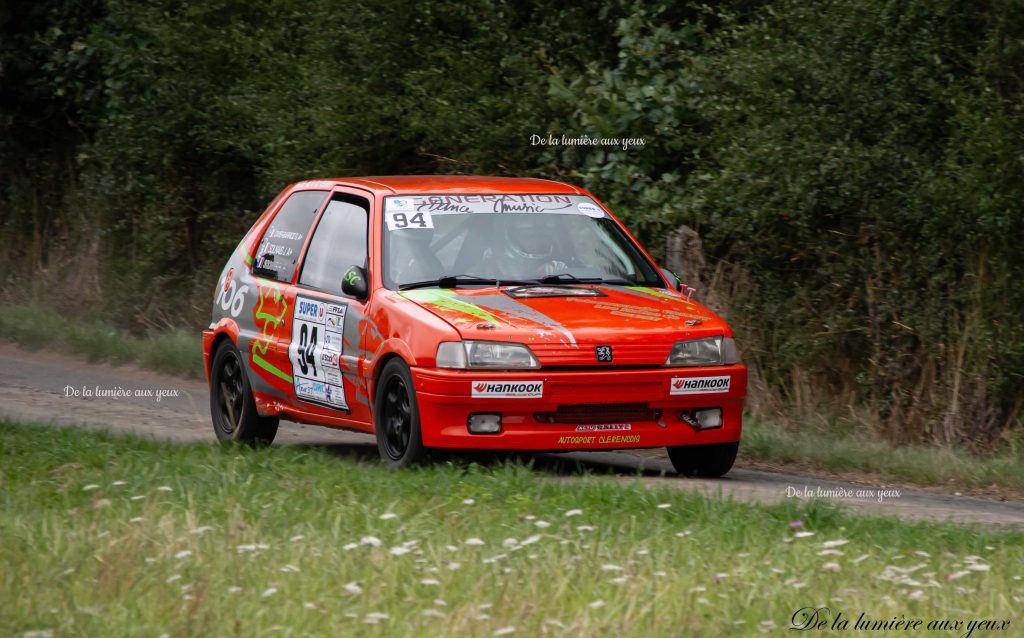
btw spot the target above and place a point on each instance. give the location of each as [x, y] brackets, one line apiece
[230, 297]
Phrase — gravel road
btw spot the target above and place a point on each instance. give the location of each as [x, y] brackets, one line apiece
[48, 387]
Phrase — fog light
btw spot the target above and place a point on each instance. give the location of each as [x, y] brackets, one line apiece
[710, 418]
[481, 423]
[702, 419]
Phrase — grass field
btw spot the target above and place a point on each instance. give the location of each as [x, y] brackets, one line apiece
[106, 536]
[857, 451]
[175, 352]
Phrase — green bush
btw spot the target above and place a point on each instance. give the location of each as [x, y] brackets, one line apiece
[856, 161]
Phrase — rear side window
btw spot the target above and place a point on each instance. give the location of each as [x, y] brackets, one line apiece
[281, 245]
[339, 242]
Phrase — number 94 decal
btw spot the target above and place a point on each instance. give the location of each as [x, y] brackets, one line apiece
[399, 220]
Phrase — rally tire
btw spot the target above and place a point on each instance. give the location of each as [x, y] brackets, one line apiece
[235, 419]
[707, 461]
[397, 417]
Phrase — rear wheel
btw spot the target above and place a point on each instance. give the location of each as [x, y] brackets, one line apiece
[709, 460]
[397, 417]
[235, 419]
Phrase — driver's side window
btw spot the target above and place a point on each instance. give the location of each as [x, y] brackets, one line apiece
[339, 242]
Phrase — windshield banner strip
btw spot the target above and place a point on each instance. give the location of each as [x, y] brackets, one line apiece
[501, 203]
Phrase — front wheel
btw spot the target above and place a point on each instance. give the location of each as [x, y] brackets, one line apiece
[397, 417]
[235, 419]
[709, 460]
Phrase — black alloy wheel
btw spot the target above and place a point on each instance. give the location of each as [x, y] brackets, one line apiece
[397, 420]
[235, 419]
[708, 460]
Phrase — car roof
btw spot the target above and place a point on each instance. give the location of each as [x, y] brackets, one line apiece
[476, 184]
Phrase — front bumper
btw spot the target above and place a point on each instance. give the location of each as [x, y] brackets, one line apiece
[446, 399]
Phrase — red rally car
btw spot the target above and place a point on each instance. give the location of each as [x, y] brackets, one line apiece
[466, 312]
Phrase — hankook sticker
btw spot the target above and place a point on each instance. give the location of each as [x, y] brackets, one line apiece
[508, 389]
[699, 385]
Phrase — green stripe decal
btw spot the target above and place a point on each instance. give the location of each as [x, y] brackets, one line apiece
[271, 368]
[655, 293]
[248, 259]
[444, 298]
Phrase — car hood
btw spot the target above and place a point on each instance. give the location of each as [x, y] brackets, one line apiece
[563, 324]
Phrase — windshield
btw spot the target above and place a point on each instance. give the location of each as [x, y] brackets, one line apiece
[507, 238]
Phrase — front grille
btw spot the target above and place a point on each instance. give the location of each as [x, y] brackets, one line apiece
[649, 352]
[600, 413]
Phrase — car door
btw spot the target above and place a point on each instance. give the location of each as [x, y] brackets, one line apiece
[264, 336]
[325, 351]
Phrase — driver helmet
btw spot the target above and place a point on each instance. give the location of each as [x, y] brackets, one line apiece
[410, 247]
[529, 236]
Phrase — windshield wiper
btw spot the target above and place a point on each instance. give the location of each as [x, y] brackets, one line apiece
[569, 278]
[453, 281]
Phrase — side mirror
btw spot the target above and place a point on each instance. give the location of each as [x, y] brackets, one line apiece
[672, 278]
[354, 283]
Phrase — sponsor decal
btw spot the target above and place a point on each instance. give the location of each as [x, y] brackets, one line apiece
[332, 376]
[228, 278]
[631, 311]
[332, 340]
[461, 204]
[508, 389]
[590, 210]
[601, 440]
[601, 427]
[352, 277]
[268, 248]
[315, 352]
[276, 233]
[699, 385]
[309, 310]
[400, 203]
[529, 292]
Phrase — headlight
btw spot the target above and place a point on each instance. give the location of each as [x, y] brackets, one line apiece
[485, 354]
[708, 351]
